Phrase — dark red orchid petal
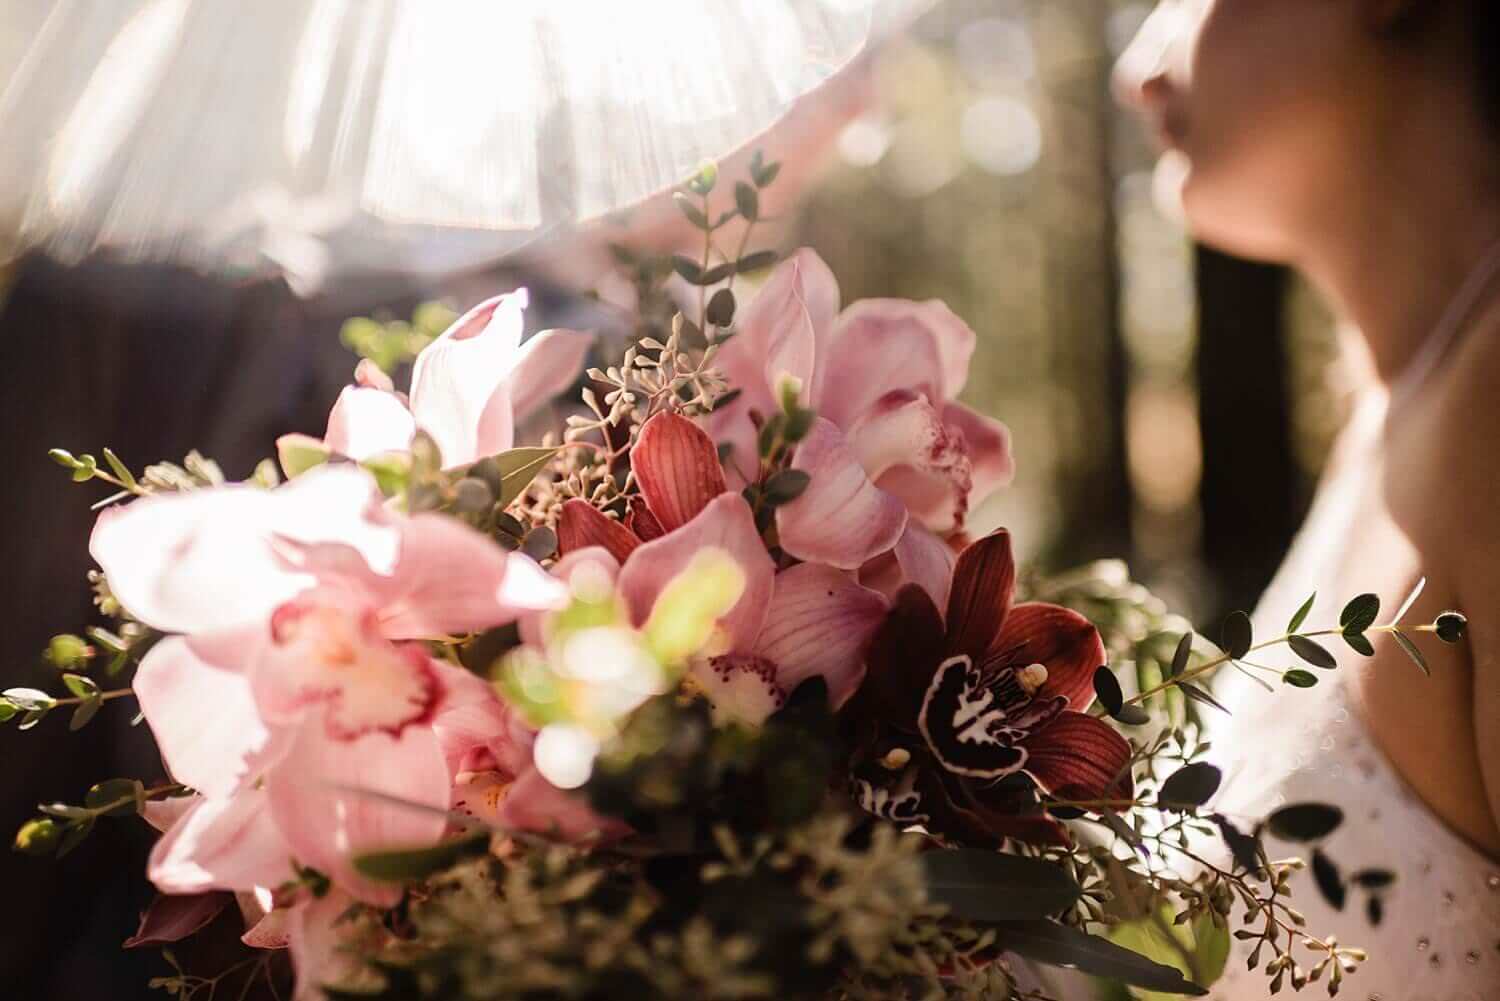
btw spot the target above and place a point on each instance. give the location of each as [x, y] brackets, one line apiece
[984, 585]
[172, 918]
[964, 725]
[581, 525]
[1080, 757]
[986, 814]
[903, 655]
[677, 467]
[1059, 639]
[642, 522]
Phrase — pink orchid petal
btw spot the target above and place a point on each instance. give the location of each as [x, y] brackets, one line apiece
[545, 365]
[820, 623]
[580, 525]
[536, 806]
[335, 799]
[842, 519]
[366, 422]
[203, 717]
[204, 560]
[1077, 756]
[222, 843]
[372, 376]
[482, 796]
[161, 814]
[270, 931]
[987, 443]
[478, 730]
[726, 523]
[426, 598]
[318, 938]
[677, 468]
[788, 318]
[460, 384]
[905, 448]
[925, 560]
[879, 346]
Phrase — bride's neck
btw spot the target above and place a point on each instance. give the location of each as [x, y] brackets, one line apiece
[1406, 236]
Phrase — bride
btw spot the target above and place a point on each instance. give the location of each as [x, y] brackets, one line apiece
[1359, 141]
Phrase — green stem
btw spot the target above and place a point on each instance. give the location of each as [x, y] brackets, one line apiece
[116, 693]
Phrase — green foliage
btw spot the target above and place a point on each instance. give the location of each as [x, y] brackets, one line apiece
[1198, 949]
[392, 343]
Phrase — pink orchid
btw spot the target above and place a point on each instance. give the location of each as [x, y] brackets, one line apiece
[889, 442]
[469, 388]
[292, 700]
[808, 620]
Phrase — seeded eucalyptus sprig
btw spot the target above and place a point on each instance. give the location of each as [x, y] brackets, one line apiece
[63, 827]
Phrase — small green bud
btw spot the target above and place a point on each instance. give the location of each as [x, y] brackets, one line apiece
[38, 837]
[63, 458]
[1451, 626]
[703, 181]
[66, 650]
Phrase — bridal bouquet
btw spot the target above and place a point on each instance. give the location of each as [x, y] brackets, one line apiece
[709, 696]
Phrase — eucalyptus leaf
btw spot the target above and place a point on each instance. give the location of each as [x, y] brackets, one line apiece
[1360, 614]
[1299, 678]
[756, 261]
[1052, 944]
[418, 863]
[122, 797]
[1107, 690]
[1238, 635]
[1191, 785]
[1197, 694]
[85, 712]
[1305, 821]
[688, 268]
[981, 885]
[747, 201]
[1199, 949]
[1302, 613]
[1410, 649]
[513, 471]
[80, 685]
[1180, 657]
[1312, 652]
[1360, 643]
[1132, 716]
[1330, 884]
[29, 699]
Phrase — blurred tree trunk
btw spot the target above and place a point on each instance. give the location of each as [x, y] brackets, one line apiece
[1251, 483]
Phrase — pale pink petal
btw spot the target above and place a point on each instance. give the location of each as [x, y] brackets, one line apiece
[878, 346]
[425, 597]
[788, 318]
[677, 468]
[320, 940]
[204, 560]
[481, 796]
[270, 931]
[222, 843]
[741, 687]
[841, 519]
[955, 341]
[460, 383]
[366, 422]
[536, 806]
[372, 376]
[725, 523]
[987, 443]
[927, 561]
[477, 730]
[546, 365]
[820, 622]
[203, 717]
[163, 813]
[336, 799]
[905, 448]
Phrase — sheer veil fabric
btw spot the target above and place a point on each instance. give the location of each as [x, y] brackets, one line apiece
[331, 136]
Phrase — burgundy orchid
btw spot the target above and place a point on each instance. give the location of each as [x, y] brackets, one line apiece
[954, 709]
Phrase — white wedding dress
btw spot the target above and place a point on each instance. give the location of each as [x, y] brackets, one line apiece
[1440, 936]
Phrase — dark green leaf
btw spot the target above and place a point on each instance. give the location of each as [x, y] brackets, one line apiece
[513, 470]
[1299, 678]
[1191, 785]
[786, 486]
[721, 308]
[1360, 614]
[541, 542]
[1132, 716]
[1411, 651]
[1302, 614]
[123, 797]
[716, 274]
[1311, 652]
[75, 836]
[1181, 655]
[405, 866]
[8, 712]
[1244, 847]
[1360, 643]
[688, 268]
[1330, 883]
[121, 471]
[1451, 626]
[83, 713]
[1053, 944]
[80, 685]
[747, 201]
[692, 212]
[1305, 821]
[980, 885]
[1238, 635]
[756, 261]
[1197, 694]
[1107, 690]
[1373, 879]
